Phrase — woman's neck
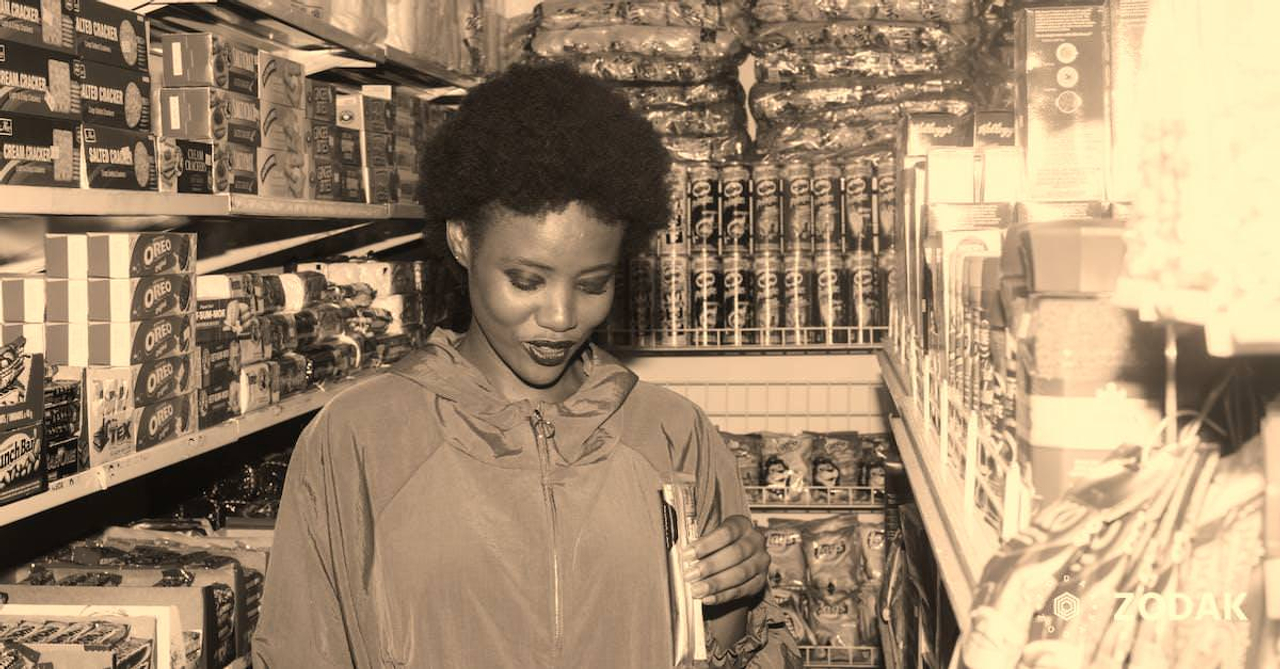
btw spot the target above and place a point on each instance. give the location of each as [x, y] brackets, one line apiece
[476, 349]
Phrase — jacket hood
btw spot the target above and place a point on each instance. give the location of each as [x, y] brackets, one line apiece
[468, 401]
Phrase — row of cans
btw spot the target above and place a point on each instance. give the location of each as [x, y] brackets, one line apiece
[798, 206]
[768, 298]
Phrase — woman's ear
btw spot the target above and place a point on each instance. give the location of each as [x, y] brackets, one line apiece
[459, 242]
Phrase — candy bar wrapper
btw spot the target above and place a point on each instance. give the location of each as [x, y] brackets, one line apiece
[678, 42]
[21, 379]
[774, 101]
[22, 463]
[791, 65]
[643, 97]
[125, 255]
[120, 344]
[713, 120]
[888, 112]
[721, 149]
[628, 67]
[785, 141]
[855, 36]
[22, 299]
[218, 404]
[781, 11]
[707, 14]
[680, 521]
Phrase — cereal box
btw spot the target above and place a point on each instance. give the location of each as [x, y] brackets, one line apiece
[108, 34]
[203, 59]
[37, 151]
[38, 81]
[117, 159]
[47, 23]
[116, 97]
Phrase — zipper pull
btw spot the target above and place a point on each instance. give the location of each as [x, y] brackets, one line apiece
[541, 426]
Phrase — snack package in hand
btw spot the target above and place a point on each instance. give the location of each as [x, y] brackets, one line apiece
[832, 554]
[835, 620]
[871, 545]
[834, 463]
[795, 611]
[784, 467]
[784, 541]
[746, 449]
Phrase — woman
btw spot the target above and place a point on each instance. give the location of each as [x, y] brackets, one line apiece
[493, 501]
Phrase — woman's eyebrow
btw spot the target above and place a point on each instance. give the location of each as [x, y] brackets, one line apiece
[547, 268]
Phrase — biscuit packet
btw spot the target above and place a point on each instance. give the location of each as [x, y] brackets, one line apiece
[832, 554]
[834, 465]
[784, 467]
[784, 541]
[746, 451]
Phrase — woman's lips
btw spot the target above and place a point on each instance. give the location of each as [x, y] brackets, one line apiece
[549, 354]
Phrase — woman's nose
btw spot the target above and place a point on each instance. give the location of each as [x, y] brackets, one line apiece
[558, 314]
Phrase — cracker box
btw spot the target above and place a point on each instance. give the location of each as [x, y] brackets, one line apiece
[341, 145]
[351, 184]
[120, 344]
[21, 382]
[323, 179]
[1062, 101]
[36, 151]
[47, 23]
[378, 149]
[283, 127]
[281, 81]
[218, 404]
[162, 421]
[22, 299]
[22, 465]
[321, 102]
[202, 59]
[115, 96]
[117, 159]
[210, 114]
[282, 174]
[65, 257]
[39, 81]
[123, 255]
[381, 186]
[142, 298]
[361, 112]
[195, 166]
[111, 35]
[150, 382]
[219, 362]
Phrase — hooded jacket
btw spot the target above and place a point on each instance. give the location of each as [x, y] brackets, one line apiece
[424, 525]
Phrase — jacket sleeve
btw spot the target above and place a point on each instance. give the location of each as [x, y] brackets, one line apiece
[310, 609]
[767, 643]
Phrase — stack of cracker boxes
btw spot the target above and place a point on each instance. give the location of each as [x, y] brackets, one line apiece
[119, 307]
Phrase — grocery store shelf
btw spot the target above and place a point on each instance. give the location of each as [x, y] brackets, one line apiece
[838, 498]
[45, 201]
[170, 453]
[408, 61]
[961, 552]
[284, 12]
[846, 340]
[840, 656]
[1240, 328]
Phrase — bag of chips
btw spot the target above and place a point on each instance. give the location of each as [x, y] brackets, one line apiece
[784, 467]
[783, 540]
[835, 620]
[746, 450]
[795, 611]
[832, 556]
[834, 463]
[871, 545]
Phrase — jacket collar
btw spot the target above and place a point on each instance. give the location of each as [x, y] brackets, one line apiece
[473, 405]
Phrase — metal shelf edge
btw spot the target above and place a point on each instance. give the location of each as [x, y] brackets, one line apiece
[53, 201]
[409, 61]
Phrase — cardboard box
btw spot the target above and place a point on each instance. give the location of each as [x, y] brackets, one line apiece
[283, 127]
[21, 379]
[120, 300]
[194, 166]
[22, 299]
[219, 362]
[920, 132]
[36, 151]
[203, 59]
[1128, 24]
[281, 81]
[281, 174]
[385, 277]
[951, 175]
[22, 465]
[120, 344]
[124, 255]
[1001, 178]
[1062, 101]
[1043, 212]
[351, 184]
[338, 144]
[166, 420]
[364, 113]
[118, 426]
[324, 179]
[210, 114]
[378, 149]
[64, 440]
[218, 404]
[32, 334]
[151, 382]
[381, 186]
[116, 97]
[65, 257]
[108, 34]
[117, 159]
[43, 23]
[994, 129]
[321, 102]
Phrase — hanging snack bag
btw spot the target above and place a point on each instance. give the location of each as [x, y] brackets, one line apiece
[835, 620]
[794, 608]
[871, 545]
[832, 556]
[834, 464]
[746, 450]
[869, 614]
[784, 467]
[784, 541]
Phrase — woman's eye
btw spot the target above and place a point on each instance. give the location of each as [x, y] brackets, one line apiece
[597, 287]
[524, 282]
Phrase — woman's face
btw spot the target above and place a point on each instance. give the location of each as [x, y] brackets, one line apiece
[539, 285]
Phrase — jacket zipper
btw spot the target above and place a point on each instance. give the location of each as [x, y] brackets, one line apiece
[544, 435]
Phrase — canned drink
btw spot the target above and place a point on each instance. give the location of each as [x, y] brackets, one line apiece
[673, 300]
[735, 209]
[798, 292]
[767, 275]
[886, 208]
[766, 207]
[642, 281]
[705, 282]
[674, 239]
[797, 210]
[859, 182]
[738, 308]
[832, 300]
[828, 226]
[864, 294]
[704, 207]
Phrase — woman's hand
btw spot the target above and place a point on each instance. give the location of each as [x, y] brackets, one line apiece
[729, 563]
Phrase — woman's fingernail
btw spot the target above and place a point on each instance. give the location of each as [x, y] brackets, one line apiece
[689, 555]
[692, 571]
[709, 600]
[700, 590]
